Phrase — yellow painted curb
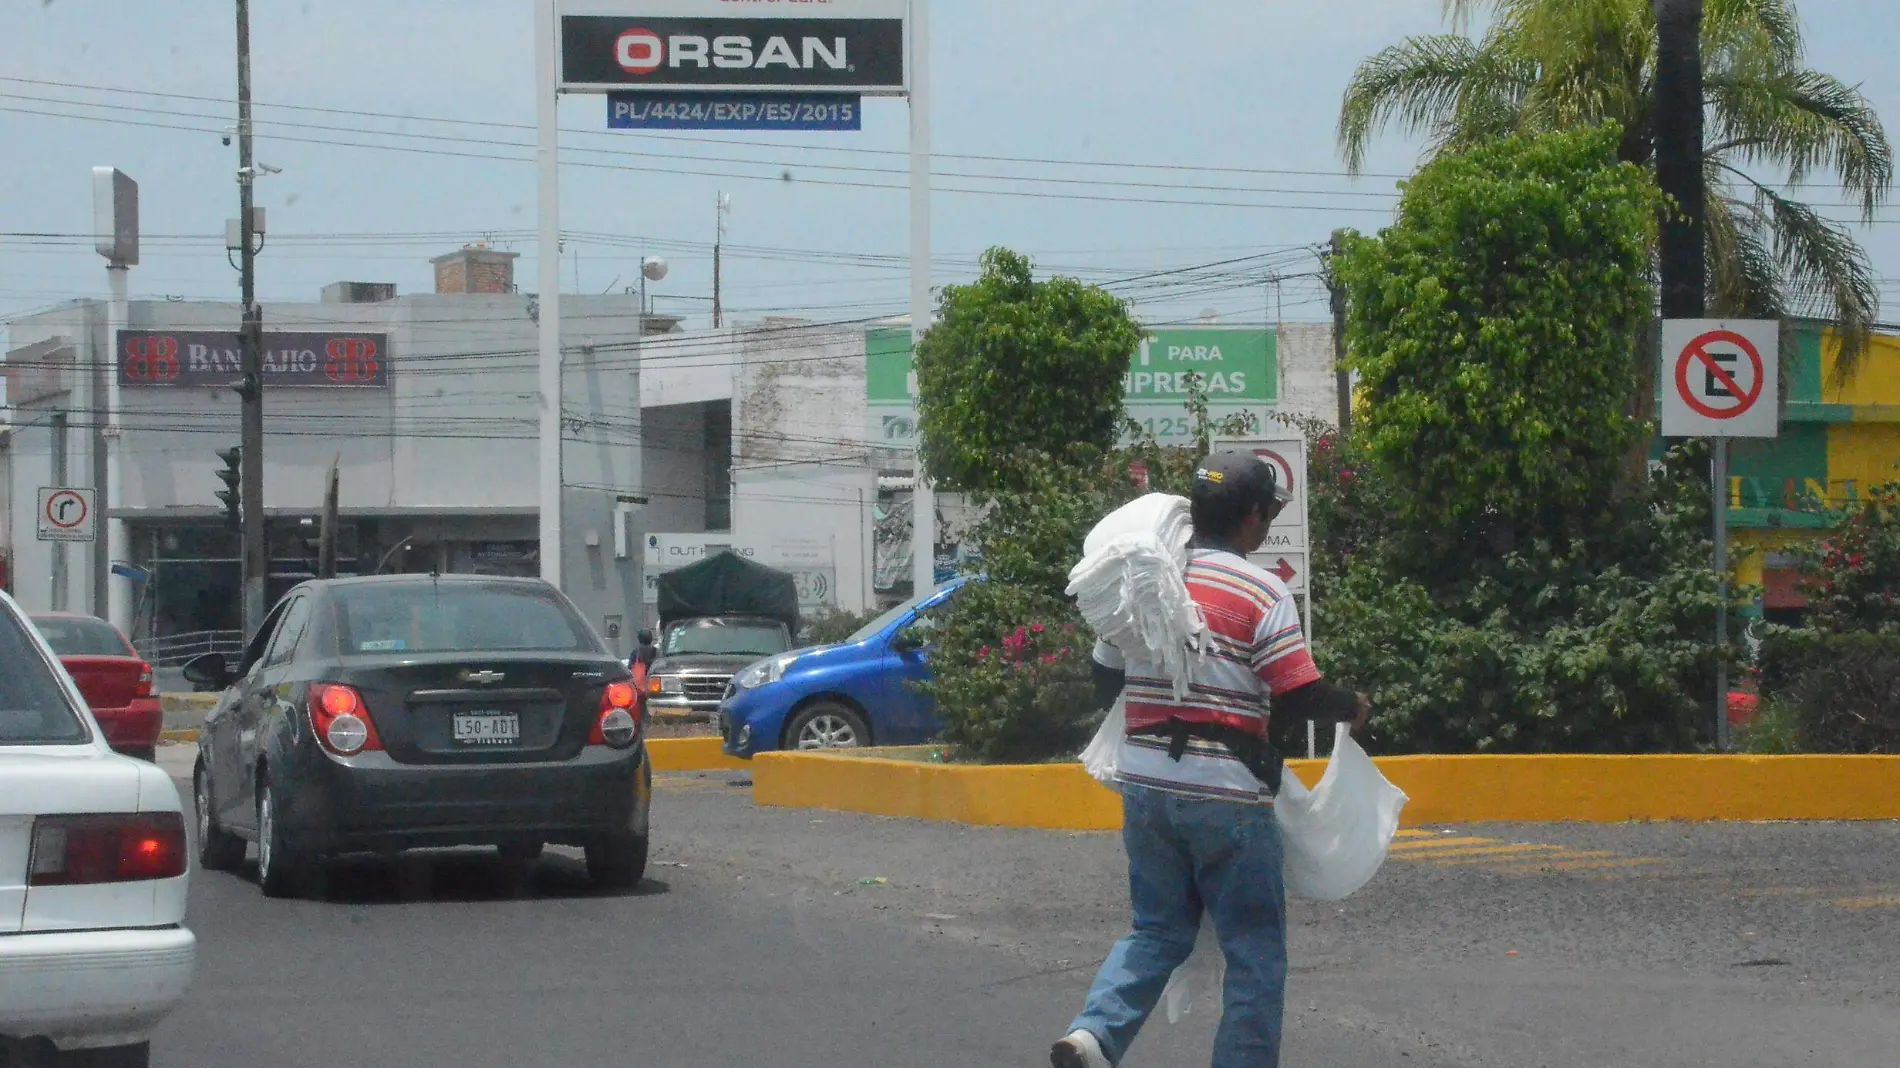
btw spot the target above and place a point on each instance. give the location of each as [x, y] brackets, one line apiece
[692, 754]
[668, 754]
[1443, 789]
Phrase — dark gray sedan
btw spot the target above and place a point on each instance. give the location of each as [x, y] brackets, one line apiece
[401, 712]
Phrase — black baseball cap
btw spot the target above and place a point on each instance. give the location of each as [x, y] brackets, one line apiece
[1237, 476]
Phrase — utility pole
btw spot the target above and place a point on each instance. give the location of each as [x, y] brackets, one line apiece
[326, 543]
[1679, 159]
[256, 562]
[923, 494]
[547, 156]
[59, 446]
[1342, 377]
[719, 240]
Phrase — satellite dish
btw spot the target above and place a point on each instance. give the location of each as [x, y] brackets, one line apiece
[654, 268]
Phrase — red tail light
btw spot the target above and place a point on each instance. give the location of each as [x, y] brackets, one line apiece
[79, 850]
[145, 681]
[341, 719]
[619, 721]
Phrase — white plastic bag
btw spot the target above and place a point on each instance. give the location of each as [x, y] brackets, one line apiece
[1103, 755]
[1204, 970]
[1336, 835]
[1129, 586]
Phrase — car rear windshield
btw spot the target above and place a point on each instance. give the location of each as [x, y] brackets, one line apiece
[33, 706]
[719, 637]
[414, 617]
[81, 637]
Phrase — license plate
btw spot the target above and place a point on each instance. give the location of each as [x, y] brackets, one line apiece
[487, 728]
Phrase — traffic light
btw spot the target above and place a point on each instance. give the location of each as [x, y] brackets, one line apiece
[233, 478]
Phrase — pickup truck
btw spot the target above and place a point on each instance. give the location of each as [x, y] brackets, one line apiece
[699, 656]
[716, 617]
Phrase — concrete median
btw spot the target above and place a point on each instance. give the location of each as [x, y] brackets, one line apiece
[1443, 789]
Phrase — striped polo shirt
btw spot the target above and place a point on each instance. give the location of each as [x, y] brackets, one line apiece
[1258, 650]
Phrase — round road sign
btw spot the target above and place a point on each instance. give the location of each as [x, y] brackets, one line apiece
[1282, 470]
[1724, 397]
[66, 510]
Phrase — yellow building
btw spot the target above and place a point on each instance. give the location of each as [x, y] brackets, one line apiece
[1835, 443]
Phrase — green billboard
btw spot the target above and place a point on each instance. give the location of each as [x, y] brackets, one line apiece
[1237, 365]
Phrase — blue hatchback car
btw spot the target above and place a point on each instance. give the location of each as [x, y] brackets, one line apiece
[858, 692]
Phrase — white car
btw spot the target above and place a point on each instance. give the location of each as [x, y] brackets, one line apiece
[93, 866]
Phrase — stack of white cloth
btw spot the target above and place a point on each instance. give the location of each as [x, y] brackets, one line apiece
[1129, 586]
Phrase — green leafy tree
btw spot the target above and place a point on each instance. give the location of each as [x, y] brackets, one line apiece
[1546, 65]
[1562, 645]
[1502, 584]
[1015, 368]
[1010, 667]
[1492, 325]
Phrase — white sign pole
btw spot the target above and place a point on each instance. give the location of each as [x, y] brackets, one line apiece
[1721, 606]
[1721, 381]
[547, 158]
[923, 495]
[119, 606]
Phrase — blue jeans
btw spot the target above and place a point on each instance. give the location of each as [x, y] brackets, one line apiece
[1186, 855]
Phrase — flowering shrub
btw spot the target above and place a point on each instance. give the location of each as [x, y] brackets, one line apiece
[1011, 692]
[1852, 579]
[1836, 682]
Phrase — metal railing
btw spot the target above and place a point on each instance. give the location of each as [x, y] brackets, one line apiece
[174, 649]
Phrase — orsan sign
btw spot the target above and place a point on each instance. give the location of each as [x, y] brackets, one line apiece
[854, 46]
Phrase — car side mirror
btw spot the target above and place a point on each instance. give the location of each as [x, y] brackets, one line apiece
[907, 642]
[208, 672]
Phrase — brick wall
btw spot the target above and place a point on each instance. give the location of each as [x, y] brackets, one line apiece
[473, 270]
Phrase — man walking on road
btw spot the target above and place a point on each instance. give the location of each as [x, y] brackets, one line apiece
[1198, 777]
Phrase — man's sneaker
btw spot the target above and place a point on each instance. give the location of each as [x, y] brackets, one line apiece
[1080, 1050]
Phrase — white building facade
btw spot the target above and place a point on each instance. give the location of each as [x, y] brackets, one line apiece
[786, 441]
[427, 405]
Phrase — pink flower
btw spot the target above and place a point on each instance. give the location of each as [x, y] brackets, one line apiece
[1048, 659]
[1066, 651]
[983, 653]
[1038, 628]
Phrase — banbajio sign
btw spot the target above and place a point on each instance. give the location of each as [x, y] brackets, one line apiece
[214, 358]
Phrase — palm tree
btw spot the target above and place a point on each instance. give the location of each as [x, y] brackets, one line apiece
[1554, 64]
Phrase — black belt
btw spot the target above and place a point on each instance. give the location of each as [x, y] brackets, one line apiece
[1254, 752]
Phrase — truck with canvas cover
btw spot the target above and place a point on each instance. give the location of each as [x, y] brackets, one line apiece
[716, 617]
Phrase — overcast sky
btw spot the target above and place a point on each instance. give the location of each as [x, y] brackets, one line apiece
[1237, 98]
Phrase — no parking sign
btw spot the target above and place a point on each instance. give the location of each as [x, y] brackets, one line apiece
[1721, 378]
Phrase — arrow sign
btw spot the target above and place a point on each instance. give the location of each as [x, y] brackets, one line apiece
[66, 514]
[1289, 568]
[1721, 378]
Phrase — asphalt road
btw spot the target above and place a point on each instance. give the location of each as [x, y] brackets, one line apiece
[795, 938]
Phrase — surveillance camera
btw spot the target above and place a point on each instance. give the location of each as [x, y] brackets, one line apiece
[226, 138]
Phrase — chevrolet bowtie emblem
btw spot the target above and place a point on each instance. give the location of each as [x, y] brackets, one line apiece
[482, 676]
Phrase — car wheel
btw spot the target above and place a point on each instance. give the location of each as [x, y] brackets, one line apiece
[138, 1056]
[283, 870]
[617, 861]
[218, 849]
[827, 725]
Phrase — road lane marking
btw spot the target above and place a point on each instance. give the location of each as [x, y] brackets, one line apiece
[1596, 862]
[1485, 854]
[1420, 848]
[1879, 901]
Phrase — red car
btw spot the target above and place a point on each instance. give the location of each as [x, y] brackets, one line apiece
[111, 677]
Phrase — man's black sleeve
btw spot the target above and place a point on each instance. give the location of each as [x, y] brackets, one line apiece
[1108, 684]
[1318, 700]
